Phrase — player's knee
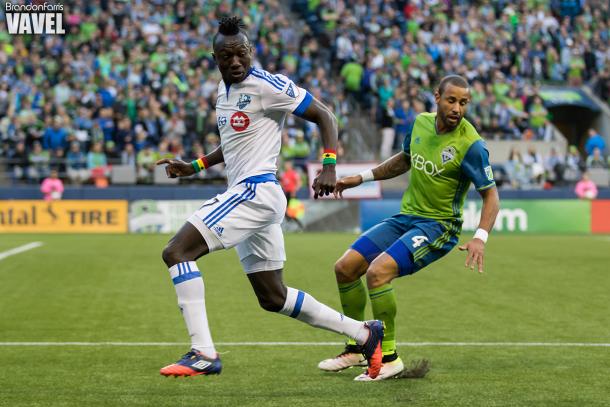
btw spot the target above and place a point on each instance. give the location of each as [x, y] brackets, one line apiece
[171, 255]
[271, 303]
[377, 275]
[344, 272]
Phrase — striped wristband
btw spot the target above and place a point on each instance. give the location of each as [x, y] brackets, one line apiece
[200, 164]
[329, 157]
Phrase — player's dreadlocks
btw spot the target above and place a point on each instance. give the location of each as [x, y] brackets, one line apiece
[231, 26]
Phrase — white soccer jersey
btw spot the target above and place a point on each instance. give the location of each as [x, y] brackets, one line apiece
[251, 116]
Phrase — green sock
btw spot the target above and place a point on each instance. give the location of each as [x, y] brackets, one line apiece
[383, 302]
[353, 301]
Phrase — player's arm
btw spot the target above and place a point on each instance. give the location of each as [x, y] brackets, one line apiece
[477, 168]
[178, 168]
[318, 113]
[476, 247]
[394, 166]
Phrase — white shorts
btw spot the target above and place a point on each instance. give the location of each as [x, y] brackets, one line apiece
[248, 217]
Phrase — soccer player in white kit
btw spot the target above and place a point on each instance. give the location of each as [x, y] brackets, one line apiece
[251, 108]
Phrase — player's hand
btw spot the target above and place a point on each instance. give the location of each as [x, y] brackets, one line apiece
[346, 183]
[475, 249]
[324, 183]
[176, 168]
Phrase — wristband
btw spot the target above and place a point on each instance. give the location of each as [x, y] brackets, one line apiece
[200, 164]
[481, 234]
[329, 157]
[367, 176]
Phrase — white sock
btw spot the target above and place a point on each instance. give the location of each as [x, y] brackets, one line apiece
[191, 300]
[304, 307]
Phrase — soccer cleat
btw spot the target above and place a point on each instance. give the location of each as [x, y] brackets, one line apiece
[351, 356]
[391, 366]
[193, 363]
[372, 347]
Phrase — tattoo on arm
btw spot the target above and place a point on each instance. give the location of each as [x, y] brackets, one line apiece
[392, 167]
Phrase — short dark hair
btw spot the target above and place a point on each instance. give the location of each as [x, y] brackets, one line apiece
[231, 26]
[455, 80]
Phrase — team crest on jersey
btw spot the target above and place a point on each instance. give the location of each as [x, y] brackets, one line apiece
[489, 173]
[244, 100]
[417, 140]
[222, 121]
[290, 91]
[447, 154]
[239, 121]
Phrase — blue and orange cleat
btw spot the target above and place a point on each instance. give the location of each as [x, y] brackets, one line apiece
[193, 363]
[372, 347]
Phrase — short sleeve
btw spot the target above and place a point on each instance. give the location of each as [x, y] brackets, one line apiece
[476, 166]
[279, 93]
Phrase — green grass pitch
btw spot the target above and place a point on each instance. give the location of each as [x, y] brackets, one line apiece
[115, 288]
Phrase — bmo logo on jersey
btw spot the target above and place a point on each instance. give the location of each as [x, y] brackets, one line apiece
[420, 163]
[239, 121]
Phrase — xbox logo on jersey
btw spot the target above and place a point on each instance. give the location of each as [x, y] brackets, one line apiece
[43, 18]
[239, 121]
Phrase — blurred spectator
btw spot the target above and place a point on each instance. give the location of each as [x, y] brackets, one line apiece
[38, 161]
[595, 140]
[128, 156]
[58, 161]
[534, 165]
[388, 132]
[554, 166]
[146, 160]
[76, 164]
[574, 165]
[538, 117]
[56, 136]
[515, 168]
[290, 180]
[298, 150]
[596, 160]
[96, 159]
[52, 187]
[585, 188]
[18, 161]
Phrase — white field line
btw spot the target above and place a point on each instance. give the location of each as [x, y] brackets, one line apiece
[20, 249]
[408, 344]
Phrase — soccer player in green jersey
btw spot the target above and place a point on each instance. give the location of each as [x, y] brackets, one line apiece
[445, 154]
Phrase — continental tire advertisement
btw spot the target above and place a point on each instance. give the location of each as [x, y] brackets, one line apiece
[69, 216]
[515, 216]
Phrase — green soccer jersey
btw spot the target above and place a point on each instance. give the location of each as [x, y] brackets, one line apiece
[442, 168]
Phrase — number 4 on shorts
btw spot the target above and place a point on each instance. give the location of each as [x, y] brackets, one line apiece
[418, 240]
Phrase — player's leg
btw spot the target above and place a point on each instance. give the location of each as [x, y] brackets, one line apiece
[274, 296]
[352, 292]
[425, 241]
[191, 242]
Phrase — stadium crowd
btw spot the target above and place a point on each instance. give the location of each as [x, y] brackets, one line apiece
[132, 82]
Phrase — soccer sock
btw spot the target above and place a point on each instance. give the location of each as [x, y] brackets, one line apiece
[353, 301]
[383, 302]
[190, 292]
[304, 307]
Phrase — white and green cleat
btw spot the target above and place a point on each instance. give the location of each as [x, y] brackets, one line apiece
[391, 366]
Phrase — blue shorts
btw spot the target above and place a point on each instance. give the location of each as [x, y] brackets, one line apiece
[412, 241]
